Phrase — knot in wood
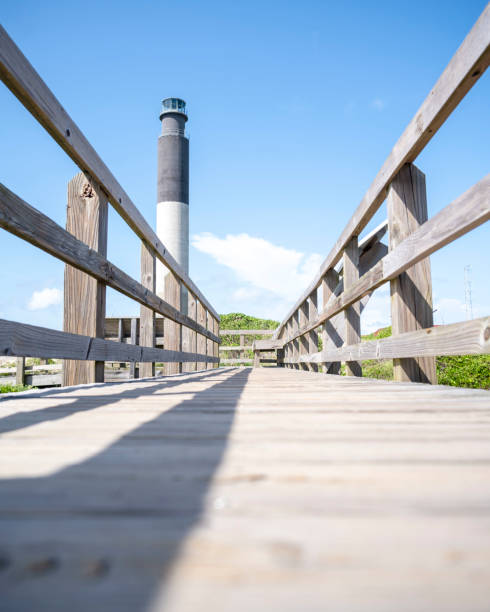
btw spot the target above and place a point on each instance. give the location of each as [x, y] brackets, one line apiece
[88, 191]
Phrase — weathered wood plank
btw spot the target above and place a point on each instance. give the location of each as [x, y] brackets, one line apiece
[201, 340]
[352, 314]
[313, 334]
[411, 292]
[25, 83]
[172, 331]
[20, 371]
[85, 296]
[147, 315]
[303, 344]
[134, 342]
[461, 216]
[30, 341]
[21, 219]
[465, 338]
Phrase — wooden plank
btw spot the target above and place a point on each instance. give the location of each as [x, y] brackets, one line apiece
[247, 332]
[465, 338]
[411, 292]
[210, 346]
[134, 342]
[190, 335]
[303, 317]
[85, 296]
[201, 340]
[465, 68]
[313, 334]
[21, 219]
[147, 315]
[215, 344]
[25, 83]
[464, 214]
[172, 331]
[265, 345]
[256, 359]
[30, 341]
[20, 371]
[352, 314]
[330, 330]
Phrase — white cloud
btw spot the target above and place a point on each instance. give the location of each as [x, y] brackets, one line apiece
[378, 104]
[452, 310]
[284, 272]
[376, 314]
[273, 276]
[44, 298]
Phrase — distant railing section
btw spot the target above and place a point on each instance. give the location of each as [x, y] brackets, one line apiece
[191, 337]
[354, 269]
[243, 353]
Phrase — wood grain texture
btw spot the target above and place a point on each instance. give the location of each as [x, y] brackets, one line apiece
[85, 296]
[411, 292]
[245, 489]
[172, 333]
[201, 340]
[330, 333]
[461, 216]
[26, 84]
[465, 338]
[465, 68]
[33, 341]
[134, 341]
[352, 314]
[21, 219]
[189, 336]
[147, 315]
[20, 371]
[303, 341]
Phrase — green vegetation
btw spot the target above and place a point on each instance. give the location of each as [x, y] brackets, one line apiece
[238, 320]
[14, 388]
[471, 371]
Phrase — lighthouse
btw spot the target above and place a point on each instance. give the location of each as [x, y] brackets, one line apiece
[173, 189]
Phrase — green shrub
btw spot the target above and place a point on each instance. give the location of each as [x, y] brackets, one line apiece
[14, 388]
[471, 371]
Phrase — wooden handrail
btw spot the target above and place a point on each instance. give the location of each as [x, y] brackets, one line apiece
[465, 68]
[26, 84]
[23, 220]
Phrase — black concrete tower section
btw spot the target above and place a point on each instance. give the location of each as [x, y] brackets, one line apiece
[173, 186]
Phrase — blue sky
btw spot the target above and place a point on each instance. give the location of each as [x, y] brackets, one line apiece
[293, 108]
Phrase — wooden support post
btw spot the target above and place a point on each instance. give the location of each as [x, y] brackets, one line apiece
[216, 344]
[20, 372]
[189, 336]
[256, 359]
[209, 343]
[172, 331]
[201, 340]
[411, 292]
[289, 345]
[313, 335]
[84, 299]
[330, 334]
[296, 366]
[147, 315]
[352, 314]
[134, 341]
[280, 357]
[120, 336]
[303, 341]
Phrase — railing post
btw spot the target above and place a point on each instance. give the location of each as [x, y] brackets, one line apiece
[411, 292]
[256, 359]
[352, 314]
[313, 335]
[216, 344]
[133, 340]
[189, 336]
[303, 313]
[84, 296]
[147, 315]
[330, 334]
[201, 340]
[209, 342]
[296, 340]
[20, 371]
[172, 336]
[280, 357]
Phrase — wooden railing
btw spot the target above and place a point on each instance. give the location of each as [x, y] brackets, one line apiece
[231, 354]
[351, 272]
[191, 337]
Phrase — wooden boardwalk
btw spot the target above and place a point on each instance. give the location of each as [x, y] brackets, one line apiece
[240, 489]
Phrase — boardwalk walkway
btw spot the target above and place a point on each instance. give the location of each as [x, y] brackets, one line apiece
[240, 489]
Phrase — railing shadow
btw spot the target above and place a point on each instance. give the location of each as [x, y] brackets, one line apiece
[103, 534]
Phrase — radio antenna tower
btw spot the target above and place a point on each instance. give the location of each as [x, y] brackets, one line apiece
[467, 293]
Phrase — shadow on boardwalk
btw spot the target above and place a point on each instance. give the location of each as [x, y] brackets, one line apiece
[102, 534]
